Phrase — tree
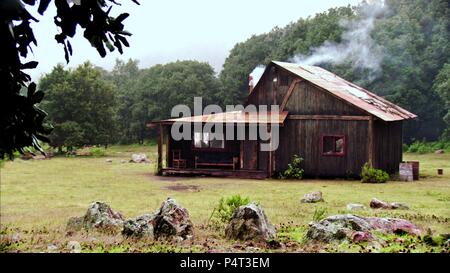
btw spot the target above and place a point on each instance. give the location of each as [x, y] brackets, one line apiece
[81, 105]
[442, 87]
[21, 121]
[125, 76]
[161, 87]
[413, 34]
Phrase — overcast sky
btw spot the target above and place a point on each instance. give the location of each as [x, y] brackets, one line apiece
[170, 30]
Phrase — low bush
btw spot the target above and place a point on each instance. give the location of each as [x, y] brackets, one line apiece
[423, 147]
[371, 175]
[97, 151]
[293, 171]
[224, 210]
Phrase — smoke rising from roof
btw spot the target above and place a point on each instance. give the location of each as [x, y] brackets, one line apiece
[356, 47]
[257, 73]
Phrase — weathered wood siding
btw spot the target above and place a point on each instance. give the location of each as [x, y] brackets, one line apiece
[304, 138]
[307, 99]
[388, 142]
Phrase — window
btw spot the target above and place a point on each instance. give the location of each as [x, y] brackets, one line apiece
[333, 145]
[203, 140]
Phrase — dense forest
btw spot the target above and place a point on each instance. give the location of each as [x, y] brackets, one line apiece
[400, 51]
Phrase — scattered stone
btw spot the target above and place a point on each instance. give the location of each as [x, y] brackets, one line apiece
[172, 220]
[109, 160]
[74, 247]
[15, 238]
[312, 197]
[139, 227]
[249, 222]
[139, 158]
[252, 249]
[356, 228]
[356, 207]
[99, 216]
[123, 161]
[378, 204]
[52, 247]
[439, 151]
[396, 205]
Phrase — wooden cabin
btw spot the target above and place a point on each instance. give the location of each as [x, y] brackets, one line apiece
[334, 125]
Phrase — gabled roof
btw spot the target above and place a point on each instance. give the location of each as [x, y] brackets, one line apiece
[238, 117]
[350, 92]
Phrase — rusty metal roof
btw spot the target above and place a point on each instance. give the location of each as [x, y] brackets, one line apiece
[349, 92]
[235, 117]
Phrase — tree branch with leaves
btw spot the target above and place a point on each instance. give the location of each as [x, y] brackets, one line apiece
[22, 122]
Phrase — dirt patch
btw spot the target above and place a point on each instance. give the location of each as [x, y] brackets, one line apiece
[164, 177]
[180, 187]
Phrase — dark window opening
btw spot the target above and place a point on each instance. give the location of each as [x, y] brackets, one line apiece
[206, 140]
[333, 145]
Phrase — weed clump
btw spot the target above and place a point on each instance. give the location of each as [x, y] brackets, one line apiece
[371, 175]
[224, 210]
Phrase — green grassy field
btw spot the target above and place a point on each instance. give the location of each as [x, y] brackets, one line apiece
[38, 196]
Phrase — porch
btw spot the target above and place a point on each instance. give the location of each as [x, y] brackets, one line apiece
[206, 155]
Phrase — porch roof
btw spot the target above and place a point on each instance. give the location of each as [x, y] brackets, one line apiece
[238, 117]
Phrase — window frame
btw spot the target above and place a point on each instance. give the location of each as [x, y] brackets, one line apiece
[209, 148]
[335, 136]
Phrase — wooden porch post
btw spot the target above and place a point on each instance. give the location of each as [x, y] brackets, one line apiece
[167, 145]
[160, 137]
[370, 142]
[270, 152]
[241, 154]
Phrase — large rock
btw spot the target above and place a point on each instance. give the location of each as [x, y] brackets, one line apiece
[99, 216]
[378, 204]
[337, 227]
[172, 220]
[139, 227]
[393, 225]
[357, 228]
[139, 158]
[249, 222]
[312, 197]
